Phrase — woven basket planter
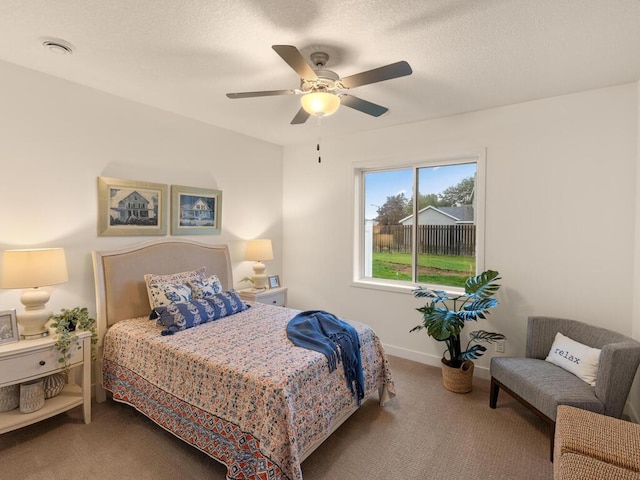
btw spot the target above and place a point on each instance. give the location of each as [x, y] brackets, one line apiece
[9, 397]
[53, 385]
[458, 380]
[31, 396]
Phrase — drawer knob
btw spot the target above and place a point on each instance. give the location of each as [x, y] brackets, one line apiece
[42, 363]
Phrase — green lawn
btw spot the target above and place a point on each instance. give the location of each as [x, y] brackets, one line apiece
[436, 269]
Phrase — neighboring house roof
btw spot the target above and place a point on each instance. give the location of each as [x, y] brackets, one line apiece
[461, 214]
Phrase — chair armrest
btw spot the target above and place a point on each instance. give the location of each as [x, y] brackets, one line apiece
[616, 372]
[573, 466]
[610, 440]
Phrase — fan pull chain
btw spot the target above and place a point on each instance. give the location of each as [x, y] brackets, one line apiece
[319, 139]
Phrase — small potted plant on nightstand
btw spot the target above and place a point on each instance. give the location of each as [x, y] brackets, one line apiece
[65, 324]
[445, 316]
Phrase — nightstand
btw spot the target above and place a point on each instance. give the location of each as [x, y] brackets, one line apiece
[31, 359]
[271, 296]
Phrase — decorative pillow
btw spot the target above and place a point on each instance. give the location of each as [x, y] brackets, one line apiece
[180, 316]
[167, 289]
[167, 293]
[579, 359]
[206, 287]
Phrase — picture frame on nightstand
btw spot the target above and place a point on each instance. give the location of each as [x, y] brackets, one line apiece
[274, 281]
[8, 327]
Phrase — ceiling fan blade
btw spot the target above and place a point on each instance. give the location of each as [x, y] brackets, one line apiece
[266, 93]
[294, 58]
[300, 117]
[380, 74]
[363, 106]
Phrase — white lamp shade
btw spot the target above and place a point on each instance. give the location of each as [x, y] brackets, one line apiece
[259, 250]
[320, 104]
[30, 268]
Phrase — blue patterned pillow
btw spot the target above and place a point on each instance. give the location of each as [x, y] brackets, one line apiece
[180, 316]
[206, 287]
[168, 293]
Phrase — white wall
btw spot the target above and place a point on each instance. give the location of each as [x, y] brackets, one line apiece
[560, 212]
[56, 138]
[634, 395]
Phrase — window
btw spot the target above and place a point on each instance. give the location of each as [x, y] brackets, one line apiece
[443, 247]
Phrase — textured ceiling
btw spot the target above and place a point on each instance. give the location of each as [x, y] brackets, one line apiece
[183, 56]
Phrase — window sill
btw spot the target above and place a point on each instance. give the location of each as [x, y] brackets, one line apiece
[390, 286]
[387, 286]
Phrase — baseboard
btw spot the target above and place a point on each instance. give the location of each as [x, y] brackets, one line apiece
[427, 359]
[414, 355]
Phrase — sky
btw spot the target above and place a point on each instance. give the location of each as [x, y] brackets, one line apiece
[380, 185]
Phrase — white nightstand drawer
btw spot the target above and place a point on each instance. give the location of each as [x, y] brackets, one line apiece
[23, 366]
[272, 296]
[276, 298]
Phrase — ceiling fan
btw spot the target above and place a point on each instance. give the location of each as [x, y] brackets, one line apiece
[323, 91]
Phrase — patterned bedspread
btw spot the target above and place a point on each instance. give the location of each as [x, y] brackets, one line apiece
[237, 388]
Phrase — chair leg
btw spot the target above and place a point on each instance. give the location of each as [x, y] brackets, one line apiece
[493, 395]
[493, 400]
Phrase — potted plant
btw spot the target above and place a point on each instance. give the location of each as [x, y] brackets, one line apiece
[444, 317]
[65, 324]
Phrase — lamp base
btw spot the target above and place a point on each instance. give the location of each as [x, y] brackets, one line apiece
[33, 320]
[34, 336]
[259, 279]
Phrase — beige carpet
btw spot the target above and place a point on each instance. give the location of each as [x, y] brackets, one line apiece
[424, 433]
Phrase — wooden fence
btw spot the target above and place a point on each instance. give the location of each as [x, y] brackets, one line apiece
[433, 239]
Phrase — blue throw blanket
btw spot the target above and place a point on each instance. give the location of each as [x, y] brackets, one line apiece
[337, 340]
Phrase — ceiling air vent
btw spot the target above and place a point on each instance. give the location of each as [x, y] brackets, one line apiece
[57, 46]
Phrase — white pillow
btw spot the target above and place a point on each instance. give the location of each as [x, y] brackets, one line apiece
[574, 357]
[168, 289]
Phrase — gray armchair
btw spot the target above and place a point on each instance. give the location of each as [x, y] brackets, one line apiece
[542, 386]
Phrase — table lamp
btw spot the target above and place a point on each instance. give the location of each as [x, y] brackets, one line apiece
[31, 269]
[259, 250]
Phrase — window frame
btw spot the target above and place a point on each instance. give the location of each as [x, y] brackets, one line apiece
[359, 207]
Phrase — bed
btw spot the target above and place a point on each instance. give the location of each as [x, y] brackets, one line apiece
[235, 388]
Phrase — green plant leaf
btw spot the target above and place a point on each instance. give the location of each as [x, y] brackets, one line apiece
[441, 323]
[424, 292]
[486, 337]
[481, 285]
[476, 351]
[478, 308]
[436, 295]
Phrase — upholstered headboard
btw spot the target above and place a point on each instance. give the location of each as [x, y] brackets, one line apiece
[119, 275]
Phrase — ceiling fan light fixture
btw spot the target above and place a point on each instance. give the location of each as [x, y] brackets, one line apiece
[320, 104]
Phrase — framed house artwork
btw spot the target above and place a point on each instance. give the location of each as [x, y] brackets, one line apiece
[274, 281]
[8, 327]
[195, 211]
[128, 207]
